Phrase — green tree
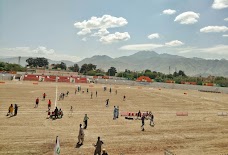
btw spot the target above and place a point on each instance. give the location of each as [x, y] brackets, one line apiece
[37, 62]
[74, 68]
[112, 71]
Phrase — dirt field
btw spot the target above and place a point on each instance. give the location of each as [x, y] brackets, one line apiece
[200, 133]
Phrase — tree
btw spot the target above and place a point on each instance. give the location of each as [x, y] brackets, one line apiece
[37, 62]
[181, 73]
[74, 68]
[84, 68]
[112, 71]
[62, 66]
[147, 71]
[91, 67]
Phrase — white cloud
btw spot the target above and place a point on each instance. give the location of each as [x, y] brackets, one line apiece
[225, 35]
[43, 50]
[216, 50]
[169, 12]
[115, 37]
[100, 26]
[40, 51]
[220, 4]
[138, 47]
[174, 43]
[226, 19]
[214, 29]
[187, 18]
[84, 32]
[104, 22]
[154, 35]
[101, 32]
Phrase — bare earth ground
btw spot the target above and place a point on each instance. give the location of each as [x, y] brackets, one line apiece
[202, 132]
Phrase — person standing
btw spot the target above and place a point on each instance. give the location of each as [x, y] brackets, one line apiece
[37, 102]
[116, 92]
[114, 112]
[75, 91]
[15, 109]
[143, 123]
[44, 96]
[56, 112]
[71, 112]
[110, 90]
[124, 98]
[49, 105]
[98, 146]
[151, 119]
[117, 112]
[96, 93]
[81, 135]
[87, 90]
[91, 95]
[85, 121]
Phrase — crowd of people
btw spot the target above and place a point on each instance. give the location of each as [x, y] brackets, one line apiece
[58, 113]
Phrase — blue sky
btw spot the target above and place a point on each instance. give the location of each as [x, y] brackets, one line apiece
[75, 29]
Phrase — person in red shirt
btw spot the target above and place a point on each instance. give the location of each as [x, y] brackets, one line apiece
[49, 104]
[37, 102]
[44, 96]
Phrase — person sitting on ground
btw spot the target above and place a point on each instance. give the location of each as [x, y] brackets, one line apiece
[60, 113]
[104, 152]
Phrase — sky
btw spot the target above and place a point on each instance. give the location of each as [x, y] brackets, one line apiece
[76, 29]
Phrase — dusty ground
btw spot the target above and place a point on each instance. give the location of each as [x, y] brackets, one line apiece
[202, 132]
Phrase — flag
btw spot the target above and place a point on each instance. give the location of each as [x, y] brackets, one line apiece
[57, 146]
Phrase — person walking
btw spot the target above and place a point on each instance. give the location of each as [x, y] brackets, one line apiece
[107, 102]
[37, 102]
[85, 121]
[110, 90]
[81, 135]
[96, 93]
[10, 111]
[98, 146]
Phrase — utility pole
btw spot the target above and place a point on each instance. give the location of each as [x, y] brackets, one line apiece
[19, 60]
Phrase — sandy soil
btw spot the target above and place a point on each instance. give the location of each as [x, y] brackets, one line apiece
[202, 132]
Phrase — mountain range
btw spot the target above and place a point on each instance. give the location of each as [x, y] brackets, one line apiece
[142, 60]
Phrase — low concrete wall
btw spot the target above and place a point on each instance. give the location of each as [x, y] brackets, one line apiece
[163, 85]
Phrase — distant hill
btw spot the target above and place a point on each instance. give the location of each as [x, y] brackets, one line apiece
[160, 62]
[150, 60]
[24, 63]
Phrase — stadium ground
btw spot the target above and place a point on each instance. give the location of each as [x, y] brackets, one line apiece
[202, 132]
